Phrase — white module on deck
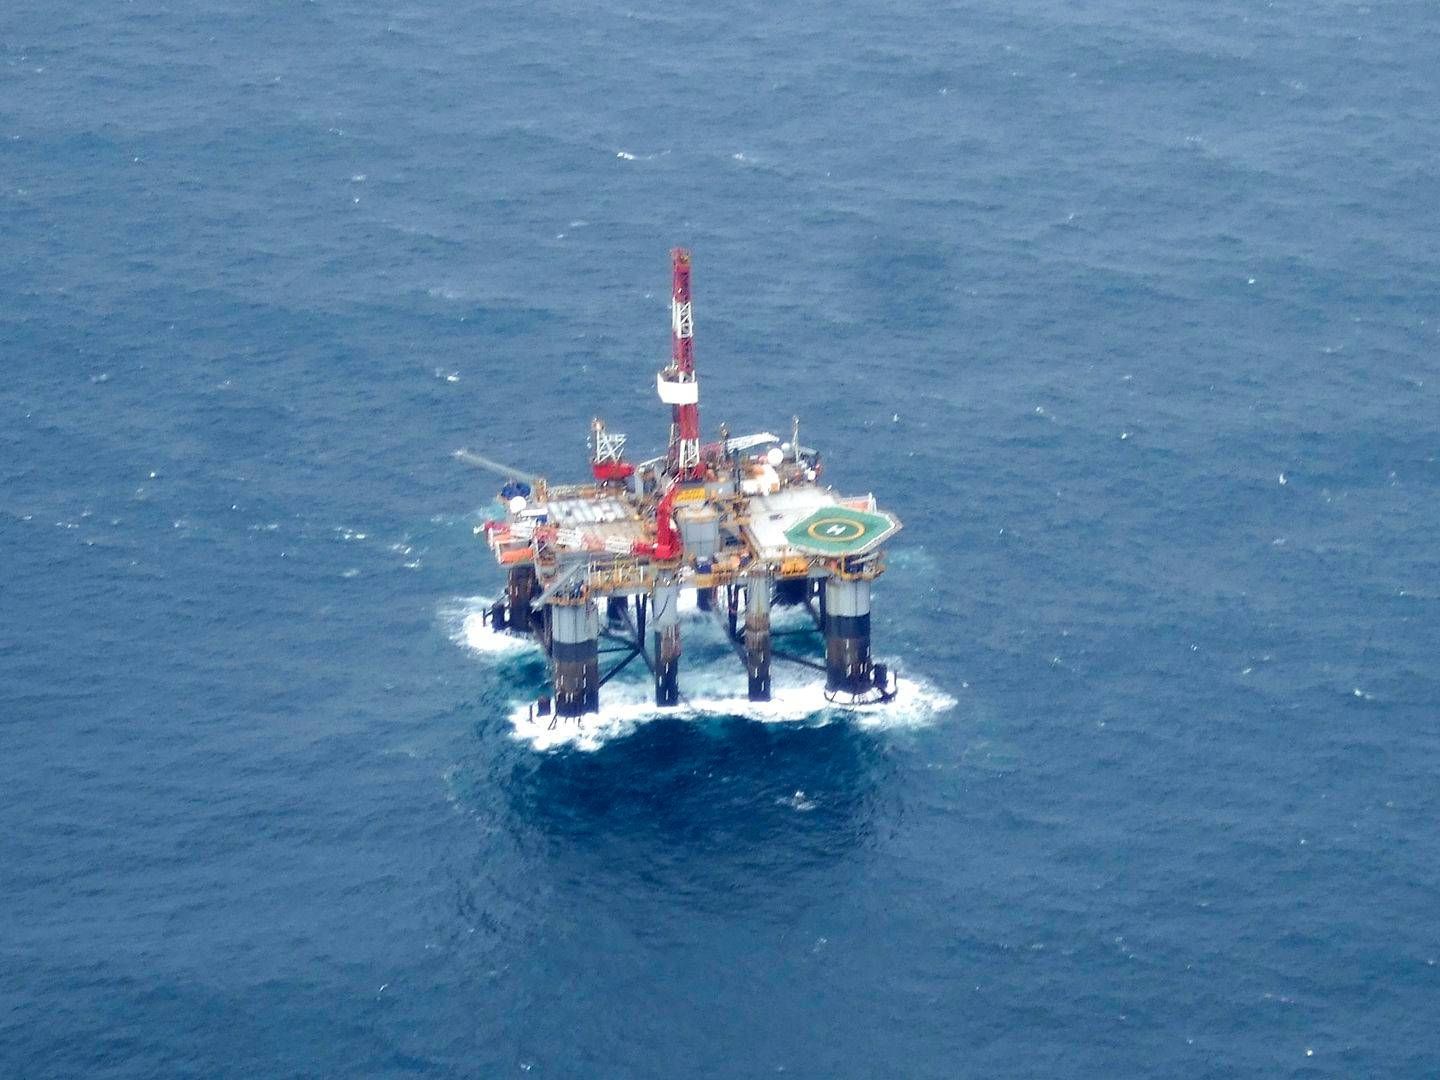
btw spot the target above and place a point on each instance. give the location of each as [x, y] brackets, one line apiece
[603, 521]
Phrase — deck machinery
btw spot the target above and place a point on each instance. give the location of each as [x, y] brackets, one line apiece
[743, 522]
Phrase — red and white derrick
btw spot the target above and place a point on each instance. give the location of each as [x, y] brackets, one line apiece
[676, 384]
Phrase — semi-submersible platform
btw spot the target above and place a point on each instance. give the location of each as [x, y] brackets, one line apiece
[743, 522]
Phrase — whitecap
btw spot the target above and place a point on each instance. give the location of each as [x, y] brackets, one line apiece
[465, 624]
[711, 686]
[797, 697]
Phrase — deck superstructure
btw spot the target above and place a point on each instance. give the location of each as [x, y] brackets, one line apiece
[742, 522]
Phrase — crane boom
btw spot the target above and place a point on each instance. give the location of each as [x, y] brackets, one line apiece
[499, 468]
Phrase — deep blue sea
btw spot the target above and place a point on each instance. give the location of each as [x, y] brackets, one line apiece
[1129, 310]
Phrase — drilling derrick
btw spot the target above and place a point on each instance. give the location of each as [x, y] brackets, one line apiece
[677, 384]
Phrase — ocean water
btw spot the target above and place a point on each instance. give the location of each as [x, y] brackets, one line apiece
[1129, 310]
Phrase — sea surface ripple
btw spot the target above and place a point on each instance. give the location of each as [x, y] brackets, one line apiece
[1128, 309]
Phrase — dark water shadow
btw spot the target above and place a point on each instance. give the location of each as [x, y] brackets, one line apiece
[722, 808]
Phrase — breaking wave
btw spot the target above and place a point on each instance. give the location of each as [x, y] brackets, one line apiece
[465, 621]
[712, 687]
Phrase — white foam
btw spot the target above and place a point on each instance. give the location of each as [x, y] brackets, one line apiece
[465, 622]
[797, 697]
[710, 686]
[799, 801]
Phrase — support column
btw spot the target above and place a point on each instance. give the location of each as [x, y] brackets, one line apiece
[757, 633]
[520, 589]
[847, 636]
[575, 657]
[700, 537]
[666, 620]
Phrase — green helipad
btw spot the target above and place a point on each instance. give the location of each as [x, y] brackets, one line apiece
[839, 530]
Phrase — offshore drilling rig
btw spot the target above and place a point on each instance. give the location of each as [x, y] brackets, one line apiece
[744, 522]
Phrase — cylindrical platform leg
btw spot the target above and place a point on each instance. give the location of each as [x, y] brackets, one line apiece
[705, 599]
[667, 666]
[520, 589]
[732, 607]
[575, 656]
[666, 620]
[847, 636]
[757, 634]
